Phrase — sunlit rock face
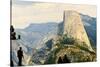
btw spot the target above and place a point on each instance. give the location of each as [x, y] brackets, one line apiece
[74, 27]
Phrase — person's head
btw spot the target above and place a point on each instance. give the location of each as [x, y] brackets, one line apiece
[65, 55]
[11, 27]
[59, 57]
[14, 33]
[20, 48]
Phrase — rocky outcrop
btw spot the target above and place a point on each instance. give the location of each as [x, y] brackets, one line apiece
[75, 54]
[74, 27]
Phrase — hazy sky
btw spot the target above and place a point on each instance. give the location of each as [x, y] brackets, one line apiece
[26, 12]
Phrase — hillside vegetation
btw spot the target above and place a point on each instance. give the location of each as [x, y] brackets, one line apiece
[75, 52]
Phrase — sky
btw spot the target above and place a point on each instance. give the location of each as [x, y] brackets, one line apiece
[26, 12]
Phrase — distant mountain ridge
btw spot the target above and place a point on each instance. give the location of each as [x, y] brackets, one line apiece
[42, 30]
[90, 26]
[35, 34]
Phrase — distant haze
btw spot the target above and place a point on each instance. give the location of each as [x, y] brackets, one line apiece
[26, 12]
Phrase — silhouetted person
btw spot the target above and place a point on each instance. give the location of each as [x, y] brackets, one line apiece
[12, 33]
[11, 28]
[60, 60]
[18, 36]
[65, 59]
[13, 36]
[20, 56]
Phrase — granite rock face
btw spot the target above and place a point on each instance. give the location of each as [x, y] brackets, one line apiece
[74, 27]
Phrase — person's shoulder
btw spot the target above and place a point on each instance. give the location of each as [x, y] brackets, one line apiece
[21, 50]
[18, 50]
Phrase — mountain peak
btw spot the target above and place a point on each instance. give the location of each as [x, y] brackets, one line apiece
[73, 27]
